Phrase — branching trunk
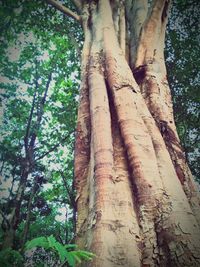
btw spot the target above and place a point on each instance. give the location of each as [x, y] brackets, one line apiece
[27, 163]
[150, 71]
[137, 203]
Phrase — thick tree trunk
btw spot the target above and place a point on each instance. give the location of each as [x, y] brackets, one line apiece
[137, 203]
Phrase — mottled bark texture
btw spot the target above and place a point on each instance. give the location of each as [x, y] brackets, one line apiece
[137, 203]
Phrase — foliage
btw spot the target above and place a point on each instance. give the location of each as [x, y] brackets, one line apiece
[56, 253]
[39, 87]
[10, 258]
[65, 253]
[182, 59]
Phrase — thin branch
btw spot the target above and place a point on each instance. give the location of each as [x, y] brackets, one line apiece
[40, 114]
[48, 152]
[12, 184]
[72, 199]
[52, 149]
[78, 4]
[30, 118]
[43, 100]
[4, 218]
[2, 165]
[47, 88]
[64, 9]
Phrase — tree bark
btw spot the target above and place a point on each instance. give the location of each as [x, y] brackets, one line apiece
[32, 193]
[137, 203]
[14, 217]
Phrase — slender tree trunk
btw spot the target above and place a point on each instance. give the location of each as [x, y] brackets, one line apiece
[28, 162]
[137, 202]
[14, 217]
[29, 211]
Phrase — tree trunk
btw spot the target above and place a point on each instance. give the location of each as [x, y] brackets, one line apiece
[14, 217]
[27, 163]
[137, 202]
[32, 193]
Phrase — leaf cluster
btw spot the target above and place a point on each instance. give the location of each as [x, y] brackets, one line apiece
[182, 59]
[63, 253]
[10, 258]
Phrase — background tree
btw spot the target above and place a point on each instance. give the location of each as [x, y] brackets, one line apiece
[182, 56]
[39, 97]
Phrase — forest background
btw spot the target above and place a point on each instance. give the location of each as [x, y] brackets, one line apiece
[40, 75]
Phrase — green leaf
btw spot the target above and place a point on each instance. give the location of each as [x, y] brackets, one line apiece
[70, 246]
[71, 259]
[84, 255]
[51, 241]
[61, 250]
[10, 258]
[63, 254]
[37, 242]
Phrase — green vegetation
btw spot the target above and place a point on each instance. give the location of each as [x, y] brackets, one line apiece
[10, 258]
[54, 254]
[61, 253]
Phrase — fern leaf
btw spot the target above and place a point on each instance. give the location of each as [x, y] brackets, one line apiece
[71, 246]
[85, 255]
[51, 240]
[62, 252]
[71, 260]
[37, 242]
[76, 257]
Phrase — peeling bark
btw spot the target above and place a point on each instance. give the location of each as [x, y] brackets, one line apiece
[150, 73]
[136, 201]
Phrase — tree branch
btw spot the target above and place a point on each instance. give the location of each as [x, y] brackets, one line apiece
[72, 198]
[78, 4]
[155, 24]
[48, 152]
[41, 112]
[159, 10]
[4, 218]
[52, 148]
[30, 118]
[2, 165]
[64, 9]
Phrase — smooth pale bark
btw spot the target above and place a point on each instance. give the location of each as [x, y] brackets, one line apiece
[137, 203]
[82, 162]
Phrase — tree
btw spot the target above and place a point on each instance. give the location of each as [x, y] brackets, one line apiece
[123, 196]
[137, 202]
[183, 77]
[37, 97]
